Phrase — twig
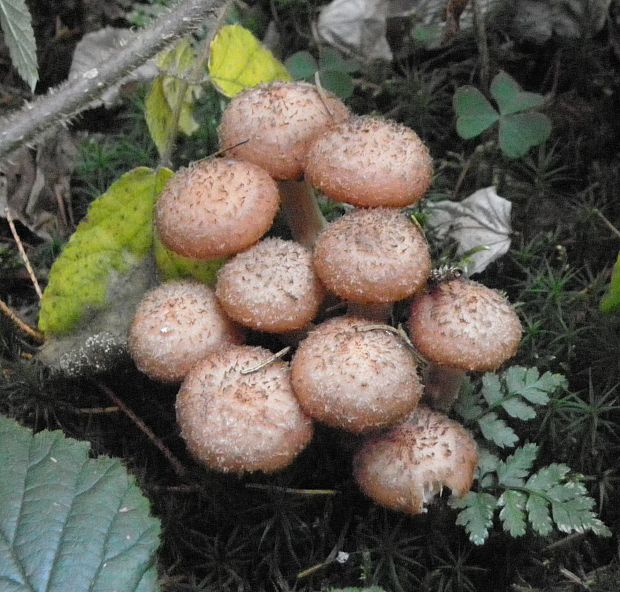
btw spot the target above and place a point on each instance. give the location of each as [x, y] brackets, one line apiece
[291, 490]
[22, 252]
[184, 84]
[607, 222]
[97, 410]
[268, 361]
[179, 469]
[322, 95]
[21, 325]
[481, 40]
[65, 102]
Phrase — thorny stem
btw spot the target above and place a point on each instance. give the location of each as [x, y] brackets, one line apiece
[302, 212]
[65, 102]
[195, 75]
[178, 468]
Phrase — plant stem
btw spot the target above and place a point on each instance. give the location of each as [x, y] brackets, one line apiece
[63, 103]
[301, 211]
[481, 40]
[21, 325]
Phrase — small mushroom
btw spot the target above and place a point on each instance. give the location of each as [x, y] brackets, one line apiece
[175, 326]
[216, 208]
[271, 287]
[461, 326]
[370, 162]
[239, 415]
[353, 375]
[370, 257]
[405, 467]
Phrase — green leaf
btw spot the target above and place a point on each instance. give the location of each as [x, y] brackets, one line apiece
[70, 522]
[339, 83]
[172, 266]
[476, 514]
[467, 404]
[239, 61]
[547, 477]
[497, 430]
[538, 514]
[175, 64]
[527, 383]
[301, 65]
[115, 236]
[509, 96]
[521, 131]
[513, 471]
[330, 59]
[475, 114]
[518, 409]
[574, 512]
[611, 300]
[491, 389]
[16, 23]
[487, 462]
[512, 513]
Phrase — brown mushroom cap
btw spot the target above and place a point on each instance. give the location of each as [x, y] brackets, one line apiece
[271, 287]
[239, 423]
[355, 379]
[465, 325]
[277, 122]
[176, 325]
[372, 256]
[370, 162]
[216, 208]
[405, 467]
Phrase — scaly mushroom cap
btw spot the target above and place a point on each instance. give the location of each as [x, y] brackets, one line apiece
[353, 378]
[271, 287]
[465, 325]
[216, 208]
[277, 122]
[405, 467]
[176, 325]
[239, 423]
[370, 162]
[372, 256]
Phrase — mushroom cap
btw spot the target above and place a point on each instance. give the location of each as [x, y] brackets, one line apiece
[355, 379]
[278, 121]
[405, 467]
[175, 326]
[271, 287]
[465, 325]
[239, 423]
[372, 256]
[216, 208]
[370, 162]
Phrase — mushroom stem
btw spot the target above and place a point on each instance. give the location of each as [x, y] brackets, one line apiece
[302, 211]
[381, 312]
[442, 386]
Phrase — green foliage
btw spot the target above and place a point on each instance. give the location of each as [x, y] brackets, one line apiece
[70, 522]
[115, 237]
[520, 128]
[611, 301]
[175, 65]
[334, 71]
[543, 500]
[16, 23]
[514, 393]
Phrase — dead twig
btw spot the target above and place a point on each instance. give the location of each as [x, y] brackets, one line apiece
[21, 325]
[22, 252]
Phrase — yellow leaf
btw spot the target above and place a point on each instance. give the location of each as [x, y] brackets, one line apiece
[239, 61]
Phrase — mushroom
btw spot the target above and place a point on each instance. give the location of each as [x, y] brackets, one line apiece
[273, 126]
[405, 467]
[216, 208]
[356, 376]
[461, 326]
[372, 258]
[370, 162]
[271, 287]
[238, 414]
[175, 326]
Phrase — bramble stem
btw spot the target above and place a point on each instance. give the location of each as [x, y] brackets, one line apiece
[302, 212]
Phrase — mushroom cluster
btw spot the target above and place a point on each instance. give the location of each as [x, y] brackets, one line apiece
[242, 409]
